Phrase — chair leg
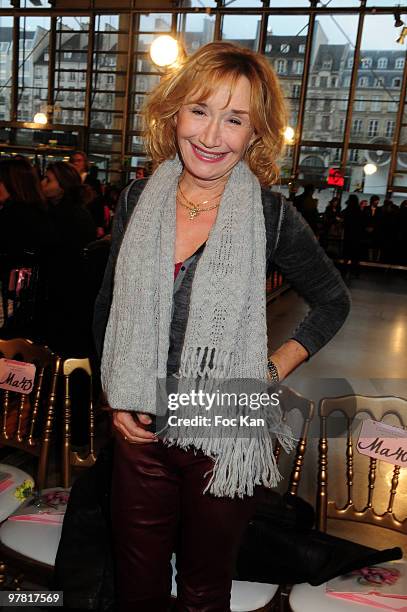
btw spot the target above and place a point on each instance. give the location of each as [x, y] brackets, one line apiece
[284, 599]
[3, 575]
[17, 581]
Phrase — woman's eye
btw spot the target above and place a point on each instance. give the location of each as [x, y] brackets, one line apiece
[197, 111]
[235, 121]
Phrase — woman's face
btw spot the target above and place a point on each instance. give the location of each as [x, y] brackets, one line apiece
[213, 134]
[50, 186]
[4, 194]
[79, 162]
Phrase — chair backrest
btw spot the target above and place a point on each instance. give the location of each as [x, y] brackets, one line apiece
[27, 420]
[291, 400]
[378, 409]
[72, 458]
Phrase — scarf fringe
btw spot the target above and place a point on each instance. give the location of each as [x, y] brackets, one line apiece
[238, 466]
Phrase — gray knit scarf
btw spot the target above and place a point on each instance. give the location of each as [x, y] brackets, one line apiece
[226, 334]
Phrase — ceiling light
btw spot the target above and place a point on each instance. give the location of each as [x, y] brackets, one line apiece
[369, 169]
[289, 135]
[164, 50]
[40, 118]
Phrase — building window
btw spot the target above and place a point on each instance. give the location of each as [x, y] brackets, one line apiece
[334, 82]
[313, 81]
[281, 66]
[71, 76]
[366, 62]
[376, 104]
[295, 91]
[110, 79]
[323, 82]
[354, 155]
[350, 62]
[399, 65]
[392, 107]
[269, 47]
[325, 122]
[396, 82]
[46, 56]
[346, 81]
[327, 104]
[357, 126]
[382, 62]
[378, 83]
[313, 104]
[343, 104]
[372, 129]
[337, 156]
[327, 64]
[298, 67]
[390, 129]
[360, 104]
[341, 125]
[301, 49]
[363, 81]
[284, 48]
[67, 54]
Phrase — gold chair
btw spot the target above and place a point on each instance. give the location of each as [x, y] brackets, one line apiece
[27, 421]
[256, 596]
[27, 424]
[381, 482]
[30, 547]
[73, 458]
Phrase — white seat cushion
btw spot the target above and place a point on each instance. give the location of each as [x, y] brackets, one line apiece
[306, 598]
[36, 541]
[9, 502]
[245, 597]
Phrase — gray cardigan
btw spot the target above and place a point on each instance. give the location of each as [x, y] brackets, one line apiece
[291, 247]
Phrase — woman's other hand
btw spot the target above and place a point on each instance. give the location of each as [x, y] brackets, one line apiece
[131, 425]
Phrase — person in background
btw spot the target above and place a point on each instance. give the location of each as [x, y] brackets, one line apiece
[388, 230]
[353, 226]
[63, 189]
[402, 234]
[79, 160]
[331, 228]
[372, 218]
[307, 205]
[27, 233]
[70, 308]
[363, 204]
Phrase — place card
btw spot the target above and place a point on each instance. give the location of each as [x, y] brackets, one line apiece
[17, 376]
[385, 442]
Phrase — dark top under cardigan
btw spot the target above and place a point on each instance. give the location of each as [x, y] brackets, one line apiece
[291, 247]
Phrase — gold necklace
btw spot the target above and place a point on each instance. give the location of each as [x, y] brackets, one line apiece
[194, 210]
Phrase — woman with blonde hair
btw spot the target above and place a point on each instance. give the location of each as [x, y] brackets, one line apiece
[190, 252]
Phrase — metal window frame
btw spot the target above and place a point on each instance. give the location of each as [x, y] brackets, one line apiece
[134, 13]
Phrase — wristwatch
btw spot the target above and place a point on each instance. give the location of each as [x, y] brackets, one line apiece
[272, 368]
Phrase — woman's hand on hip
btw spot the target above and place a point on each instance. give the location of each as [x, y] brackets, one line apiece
[131, 425]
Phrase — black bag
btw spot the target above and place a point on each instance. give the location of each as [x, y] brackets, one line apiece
[280, 547]
[84, 563]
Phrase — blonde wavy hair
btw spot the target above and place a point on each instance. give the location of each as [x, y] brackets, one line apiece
[200, 74]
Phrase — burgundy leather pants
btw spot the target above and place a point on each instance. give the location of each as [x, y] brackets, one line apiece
[157, 508]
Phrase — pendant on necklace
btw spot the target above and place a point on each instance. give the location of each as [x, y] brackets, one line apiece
[193, 212]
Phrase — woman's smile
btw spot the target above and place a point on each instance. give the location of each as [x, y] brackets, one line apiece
[207, 156]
